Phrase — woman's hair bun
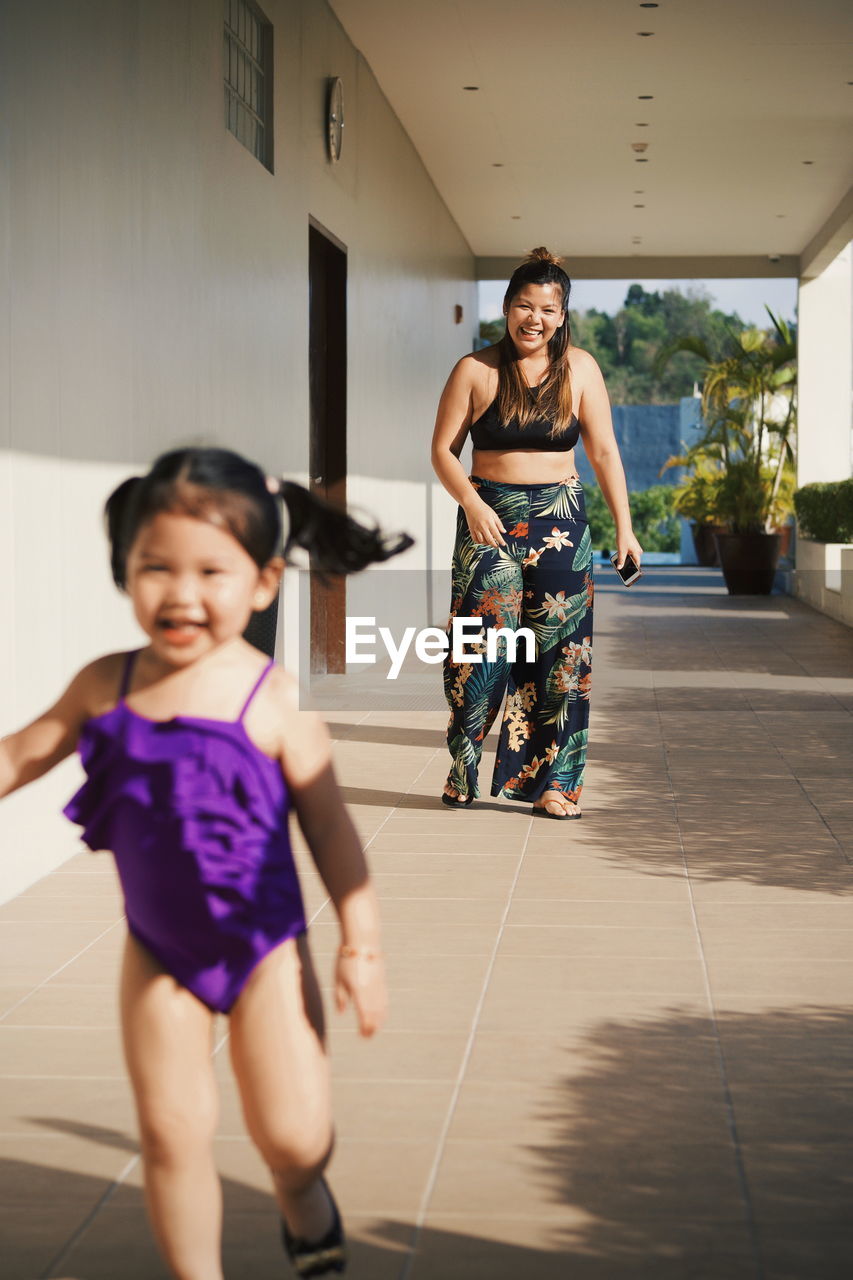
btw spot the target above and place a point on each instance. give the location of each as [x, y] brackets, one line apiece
[543, 255]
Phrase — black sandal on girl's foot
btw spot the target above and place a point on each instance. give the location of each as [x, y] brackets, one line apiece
[320, 1257]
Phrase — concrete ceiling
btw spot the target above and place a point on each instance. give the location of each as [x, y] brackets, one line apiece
[744, 92]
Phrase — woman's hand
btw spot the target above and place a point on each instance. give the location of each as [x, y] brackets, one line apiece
[484, 524]
[360, 977]
[627, 545]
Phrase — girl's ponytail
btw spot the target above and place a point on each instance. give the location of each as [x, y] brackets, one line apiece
[335, 541]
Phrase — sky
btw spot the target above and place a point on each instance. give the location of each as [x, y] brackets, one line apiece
[746, 297]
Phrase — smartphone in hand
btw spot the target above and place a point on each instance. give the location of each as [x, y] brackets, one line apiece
[630, 570]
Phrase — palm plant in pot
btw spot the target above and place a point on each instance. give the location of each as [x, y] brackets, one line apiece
[694, 498]
[749, 408]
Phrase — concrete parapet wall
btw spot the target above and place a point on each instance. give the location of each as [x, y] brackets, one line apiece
[824, 578]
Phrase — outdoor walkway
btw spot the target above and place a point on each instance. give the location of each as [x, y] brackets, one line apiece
[618, 1048]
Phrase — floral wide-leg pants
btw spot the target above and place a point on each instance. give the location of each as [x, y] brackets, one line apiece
[541, 579]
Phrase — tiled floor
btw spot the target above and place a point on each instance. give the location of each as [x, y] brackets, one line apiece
[618, 1048]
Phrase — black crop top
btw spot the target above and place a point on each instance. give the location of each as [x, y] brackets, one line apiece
[489, 433]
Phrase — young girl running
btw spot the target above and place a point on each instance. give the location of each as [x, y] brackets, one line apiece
[195, 750]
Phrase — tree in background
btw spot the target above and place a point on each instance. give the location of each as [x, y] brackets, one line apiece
[625, 344]
[652, 516]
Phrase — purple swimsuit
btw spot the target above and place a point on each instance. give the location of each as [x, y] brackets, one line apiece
[196, 817]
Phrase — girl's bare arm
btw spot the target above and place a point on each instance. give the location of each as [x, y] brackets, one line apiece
[39, 746]
[306, 759]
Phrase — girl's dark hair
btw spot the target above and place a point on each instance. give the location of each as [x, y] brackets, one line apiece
[233, 493]
[554, 400]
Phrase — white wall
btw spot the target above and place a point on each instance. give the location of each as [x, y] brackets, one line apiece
[825, 350]
[154, 291]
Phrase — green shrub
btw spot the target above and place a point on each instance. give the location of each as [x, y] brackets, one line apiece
[825, 511]
[655, 524]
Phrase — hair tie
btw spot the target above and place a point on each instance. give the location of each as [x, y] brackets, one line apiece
[276, 486]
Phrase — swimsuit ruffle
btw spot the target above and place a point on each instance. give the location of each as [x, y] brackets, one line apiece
[204, 795]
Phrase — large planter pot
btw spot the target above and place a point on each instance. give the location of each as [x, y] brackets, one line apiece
[748, 562]
[704, 544]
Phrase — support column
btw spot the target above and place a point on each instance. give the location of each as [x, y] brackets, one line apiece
[825, 432]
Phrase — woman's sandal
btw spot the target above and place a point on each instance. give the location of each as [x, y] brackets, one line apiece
[458, 801]
[558, 817]
[319, 1257]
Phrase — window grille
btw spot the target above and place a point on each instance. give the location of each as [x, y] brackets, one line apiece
[248, 78]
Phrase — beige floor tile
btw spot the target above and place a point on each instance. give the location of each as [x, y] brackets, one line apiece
[586, 1034]
[119, 1243]
[800, 1182]
[66, 1006]
[443, 911]
[469, 843]
[461, 882]
[62, 909]
[34, 1234]
[484, 863]
[31, 951]
[570, 974]
[397, 1055]
[34, 1106]
[425, 940]
[721, 943]
[651, 1180]
[612, 912]
[55, 1170]
[11, 996]
[799, 980]
[834, 914]
[66, 1051]
[629, 888]
[385, 1111]
[793, 1249]
[603, 942]
[469, 1247]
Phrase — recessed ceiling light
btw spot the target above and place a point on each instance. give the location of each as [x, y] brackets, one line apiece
[497, 165]
[470, 88]
[645, 33]
[649, 4]
[641, 159]
[641, 124]
[645, 97]
[639, 206]
[780, 215]
[808, 162]
[639, 193]
[516, 217]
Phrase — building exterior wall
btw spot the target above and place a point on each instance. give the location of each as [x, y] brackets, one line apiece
[154, 286]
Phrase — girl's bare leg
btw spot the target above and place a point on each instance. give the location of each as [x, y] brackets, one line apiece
[282, 1071]
[167, 1043]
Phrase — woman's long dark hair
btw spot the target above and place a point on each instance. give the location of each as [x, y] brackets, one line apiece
[554, 400]
[235, 494]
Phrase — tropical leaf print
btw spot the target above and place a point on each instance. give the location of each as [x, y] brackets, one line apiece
[583, 554]
[559, 500]
[510, 506]
[569, 764]
[557, 618]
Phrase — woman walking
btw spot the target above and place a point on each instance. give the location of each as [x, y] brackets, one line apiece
[523, 555]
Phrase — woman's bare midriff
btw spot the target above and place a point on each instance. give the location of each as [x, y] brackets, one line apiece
[523, 466]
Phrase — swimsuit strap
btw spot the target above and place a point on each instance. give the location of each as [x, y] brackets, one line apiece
[127, 672]
[260, 680]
